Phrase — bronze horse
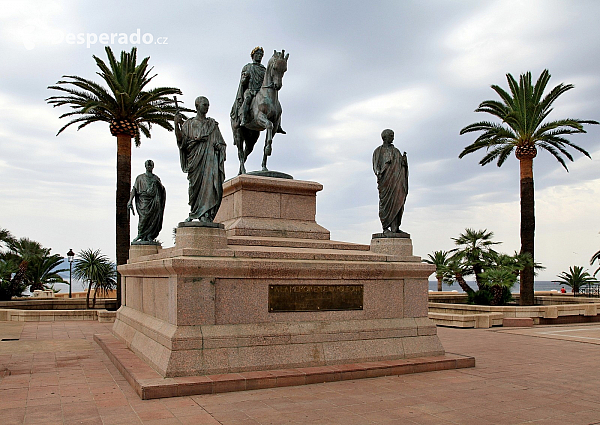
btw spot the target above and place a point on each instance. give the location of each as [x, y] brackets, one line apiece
[265, 112]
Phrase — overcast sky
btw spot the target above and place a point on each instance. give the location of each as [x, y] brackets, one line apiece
[355, 68]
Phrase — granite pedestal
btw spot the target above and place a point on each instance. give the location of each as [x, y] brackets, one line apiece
[206, 306]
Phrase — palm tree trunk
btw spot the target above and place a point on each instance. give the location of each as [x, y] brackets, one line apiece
[477, 270]
[463, 284]
[87, 298]
[94, 299]
[526, 296]
[439, 279]
[122, 215]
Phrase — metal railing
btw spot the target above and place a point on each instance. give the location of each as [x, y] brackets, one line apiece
[589, 291]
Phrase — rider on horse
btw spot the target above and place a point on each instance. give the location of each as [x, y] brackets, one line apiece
[251, 81]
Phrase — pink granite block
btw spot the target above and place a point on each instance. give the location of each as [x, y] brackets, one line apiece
[195, 301]
[161, 298]
[364, 350]
[275, 356]
[226, 209]
[298, 207]
[258, 204]
[134, 292]
[136, 251]
[383, 298]
[399, 247]
[148, 296]
[208, 238]
[415, 297]
[195, 362]
[422, 346]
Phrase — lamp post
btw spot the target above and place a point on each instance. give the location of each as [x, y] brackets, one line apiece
[70, 256]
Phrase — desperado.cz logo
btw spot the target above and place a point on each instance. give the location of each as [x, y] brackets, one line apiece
[31, 37]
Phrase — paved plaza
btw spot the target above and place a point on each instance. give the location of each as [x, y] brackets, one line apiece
[54, 373]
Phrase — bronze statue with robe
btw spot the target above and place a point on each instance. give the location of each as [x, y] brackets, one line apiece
[391, 169]
[202, 157]
[150, 197]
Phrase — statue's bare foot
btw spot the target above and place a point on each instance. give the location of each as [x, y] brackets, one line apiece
[187, 220]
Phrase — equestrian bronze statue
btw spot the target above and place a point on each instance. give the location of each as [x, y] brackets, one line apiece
[256, 107]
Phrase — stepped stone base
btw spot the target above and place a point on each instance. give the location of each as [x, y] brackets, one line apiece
[206, 306]
[148, 384]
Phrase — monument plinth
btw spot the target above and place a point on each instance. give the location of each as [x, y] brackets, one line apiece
[271, 291]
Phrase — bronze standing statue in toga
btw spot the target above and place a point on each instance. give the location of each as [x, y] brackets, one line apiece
[391, 169]
[202, 157]
[150, 197]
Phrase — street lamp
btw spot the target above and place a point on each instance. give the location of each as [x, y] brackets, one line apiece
[70, 256]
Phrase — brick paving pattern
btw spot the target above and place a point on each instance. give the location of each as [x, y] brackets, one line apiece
[56, 374]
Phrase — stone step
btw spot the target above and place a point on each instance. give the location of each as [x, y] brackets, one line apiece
[293, 253]
[295, 243]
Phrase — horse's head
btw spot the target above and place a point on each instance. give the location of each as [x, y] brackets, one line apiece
[275, 69]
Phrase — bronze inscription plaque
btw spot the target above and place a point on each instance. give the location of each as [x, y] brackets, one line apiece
[315, 297]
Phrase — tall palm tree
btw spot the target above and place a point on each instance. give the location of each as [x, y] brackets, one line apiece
[97, 270]
[475, 246]
[129, 108]
[523, 129]
[440, 260]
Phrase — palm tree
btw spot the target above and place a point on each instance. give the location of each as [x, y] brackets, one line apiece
[8, 287]
[576, 278]
[97, 270]
[440, 260]
[455, 270]
[523, 129]
[6, 237]
[43, 271]
[24, 252]
[474, 246]
[499, 281]
[129, 109]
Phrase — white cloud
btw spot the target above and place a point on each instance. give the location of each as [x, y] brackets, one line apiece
[503, 37]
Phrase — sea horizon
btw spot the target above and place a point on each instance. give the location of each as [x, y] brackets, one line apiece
[538, 285]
